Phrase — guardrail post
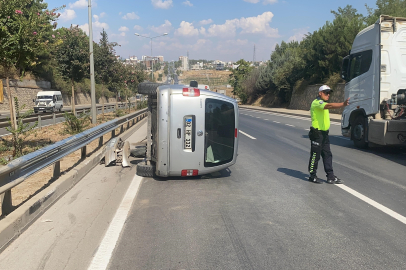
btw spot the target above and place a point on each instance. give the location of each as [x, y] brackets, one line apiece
[101, 141]
[6, 203]
[121, 129]
[57, 170]
[39, 121]
[113, 133]
[83, 152]
[54, 118]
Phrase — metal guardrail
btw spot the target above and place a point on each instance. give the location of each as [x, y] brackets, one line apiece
[20, 169]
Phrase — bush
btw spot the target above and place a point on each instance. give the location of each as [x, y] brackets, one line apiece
[20, 132]
[75, 125]
[142, 104]
[119, 113]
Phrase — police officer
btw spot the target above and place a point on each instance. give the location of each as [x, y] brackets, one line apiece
[320, 143]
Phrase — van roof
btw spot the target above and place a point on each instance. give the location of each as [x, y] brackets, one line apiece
[45, 93]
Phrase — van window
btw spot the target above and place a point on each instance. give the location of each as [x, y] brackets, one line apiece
[220, 128]
[360, 63]
[44, 97]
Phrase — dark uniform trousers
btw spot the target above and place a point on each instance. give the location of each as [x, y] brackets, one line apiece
[320, 145]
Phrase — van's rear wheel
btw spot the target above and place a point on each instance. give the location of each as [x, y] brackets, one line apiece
[148, 88]
[359, 131]
[145, 170]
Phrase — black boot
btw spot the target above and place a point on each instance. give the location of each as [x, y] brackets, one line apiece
[315, 179]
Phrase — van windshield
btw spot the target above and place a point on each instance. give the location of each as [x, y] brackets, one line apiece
[44, 97]
[220, 128]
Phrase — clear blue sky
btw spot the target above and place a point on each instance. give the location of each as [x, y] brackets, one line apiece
[209, 29]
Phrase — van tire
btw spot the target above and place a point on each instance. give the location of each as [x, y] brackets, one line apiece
[145, 170]
[148, 88]
[60, 109]
[359, 132]
[140, 151]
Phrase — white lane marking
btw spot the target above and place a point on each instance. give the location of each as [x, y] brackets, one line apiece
[374, 203]
[102, 258]
[249, 136]
[266, 119]
[302, 118]
[290, 116]
[307, 129]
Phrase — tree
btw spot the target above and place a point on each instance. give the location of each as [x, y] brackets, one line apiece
[396, 8]
[73, 57]
[106, 66]
[237, 77]
[25, 32]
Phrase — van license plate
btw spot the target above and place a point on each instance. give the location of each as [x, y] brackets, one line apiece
[188, 132]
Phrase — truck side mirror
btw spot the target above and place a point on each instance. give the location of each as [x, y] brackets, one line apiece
[344, 68]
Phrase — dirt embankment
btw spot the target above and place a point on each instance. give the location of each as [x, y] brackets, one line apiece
[216, 79]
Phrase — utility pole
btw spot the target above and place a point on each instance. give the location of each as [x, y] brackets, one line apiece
[92, 87]
[254, 59]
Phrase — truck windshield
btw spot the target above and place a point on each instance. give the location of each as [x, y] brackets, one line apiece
[220, 127]
[44, 97]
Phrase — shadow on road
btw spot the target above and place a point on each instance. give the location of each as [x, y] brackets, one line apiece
[294, 173]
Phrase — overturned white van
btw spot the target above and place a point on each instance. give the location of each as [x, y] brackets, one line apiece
[191, 131]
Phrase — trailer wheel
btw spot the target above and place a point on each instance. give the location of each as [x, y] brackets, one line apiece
[359, 132]
[148, 88]
[145, 170]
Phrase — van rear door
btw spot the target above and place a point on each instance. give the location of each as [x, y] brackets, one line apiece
[186, 131]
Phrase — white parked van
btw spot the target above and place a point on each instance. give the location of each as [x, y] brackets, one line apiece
[192, 131]
[48, 101]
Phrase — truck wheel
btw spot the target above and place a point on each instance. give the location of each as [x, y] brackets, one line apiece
[148, 88]
[145, 170]
[359, 132]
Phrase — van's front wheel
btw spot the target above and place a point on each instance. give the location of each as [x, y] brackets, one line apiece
[359, 132]
[148, 88]
[145, 170]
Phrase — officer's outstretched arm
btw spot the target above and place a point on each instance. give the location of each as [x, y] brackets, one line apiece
[337, 105]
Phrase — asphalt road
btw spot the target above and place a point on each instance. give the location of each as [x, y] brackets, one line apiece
[261, 213]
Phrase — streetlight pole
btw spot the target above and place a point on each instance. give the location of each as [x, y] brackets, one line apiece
[152, 62]
[92, 83]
